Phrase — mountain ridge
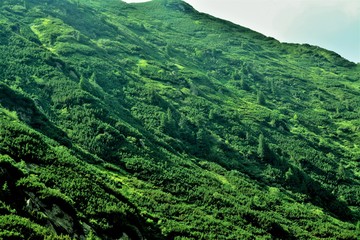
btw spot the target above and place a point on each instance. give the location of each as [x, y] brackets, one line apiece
[182, 5]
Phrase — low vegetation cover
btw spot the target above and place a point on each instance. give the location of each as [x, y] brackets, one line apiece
[155, 121]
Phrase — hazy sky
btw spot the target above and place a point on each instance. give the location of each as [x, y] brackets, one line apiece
[331, 24]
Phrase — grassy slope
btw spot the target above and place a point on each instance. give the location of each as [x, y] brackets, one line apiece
[147, 118]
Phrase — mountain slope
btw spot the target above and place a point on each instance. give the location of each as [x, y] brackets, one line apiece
[154, 121]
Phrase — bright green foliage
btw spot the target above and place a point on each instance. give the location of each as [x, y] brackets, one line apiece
[262, 149]
[155, 121]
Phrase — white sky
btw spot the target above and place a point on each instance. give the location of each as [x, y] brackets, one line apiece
[331, 24]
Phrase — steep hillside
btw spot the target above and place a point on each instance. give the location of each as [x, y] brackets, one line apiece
[155, 121]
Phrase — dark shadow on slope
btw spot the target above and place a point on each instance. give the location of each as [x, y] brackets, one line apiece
[29, 113]
[44, 204]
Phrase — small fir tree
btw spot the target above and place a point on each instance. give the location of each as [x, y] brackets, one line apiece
[260, 98]
[262, 148]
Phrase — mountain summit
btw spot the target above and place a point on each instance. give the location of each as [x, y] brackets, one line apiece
[155, 121]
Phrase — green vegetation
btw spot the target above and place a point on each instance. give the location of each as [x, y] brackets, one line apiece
[151, 120]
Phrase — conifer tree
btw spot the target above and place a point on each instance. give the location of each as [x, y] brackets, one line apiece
[262, 147]
[170, 122]
[341, 174]
[244, 85]
[202, 142]
[260, 98]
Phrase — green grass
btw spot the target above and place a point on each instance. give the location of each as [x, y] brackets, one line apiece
[144, 119]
